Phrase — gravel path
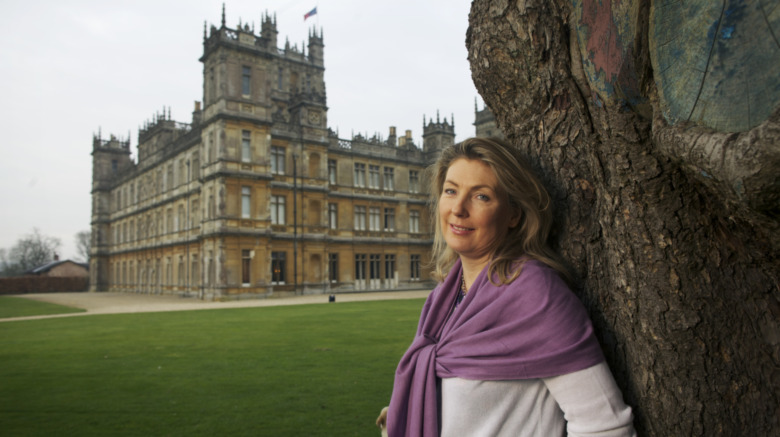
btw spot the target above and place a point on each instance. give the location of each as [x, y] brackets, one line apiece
[118, 303]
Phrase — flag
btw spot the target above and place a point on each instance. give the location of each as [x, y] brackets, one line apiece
[310, 13]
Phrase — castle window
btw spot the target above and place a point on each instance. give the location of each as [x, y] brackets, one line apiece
[373, 176]
[212, 89]
[332, 171]
[182, 173]
[360, 218]
[195, 166]
[414, 222]
[114, 165]
[195, 216]
[333, 214]
[182, 222]
[246, 202]
[360, 266]
[360, 175]
[389, 176]
[278, 204]
[169, 177]
[168, 271]
[280, 78]
[374, 219]
[181, 274]
[194, 275]
[389, 266]
[374, 265]
[277, 160]
[246, 264]
[414, 181]
[246, 146]
[278, 268]
[389, 219]
[414, 270]
[246, 80]
[210, 148]
[333, 267]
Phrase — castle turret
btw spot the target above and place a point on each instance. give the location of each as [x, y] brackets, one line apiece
[316, 47]
[485, 123]
[268, 30]
[109, 158]
[438, 135]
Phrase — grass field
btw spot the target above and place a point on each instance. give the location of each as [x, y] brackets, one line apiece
[11, 306]
[308, 370]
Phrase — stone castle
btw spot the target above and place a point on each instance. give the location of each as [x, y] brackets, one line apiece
[256, 196]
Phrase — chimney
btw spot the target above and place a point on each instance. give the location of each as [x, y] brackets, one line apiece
[391, 140]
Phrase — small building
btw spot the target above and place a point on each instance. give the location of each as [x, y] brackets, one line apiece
[61, 268]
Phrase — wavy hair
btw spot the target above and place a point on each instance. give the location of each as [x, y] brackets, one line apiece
[524, 192]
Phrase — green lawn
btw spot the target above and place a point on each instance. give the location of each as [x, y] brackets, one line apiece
[310, 370]
[11, 306]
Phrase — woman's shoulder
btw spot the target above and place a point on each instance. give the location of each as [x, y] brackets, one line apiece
[535, 267]
[540, 277]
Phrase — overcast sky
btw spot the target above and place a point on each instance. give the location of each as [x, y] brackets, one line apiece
[68, 69]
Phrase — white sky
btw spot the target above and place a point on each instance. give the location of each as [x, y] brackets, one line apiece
[70, 68]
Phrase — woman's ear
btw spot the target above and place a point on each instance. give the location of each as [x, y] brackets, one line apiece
[515, 218]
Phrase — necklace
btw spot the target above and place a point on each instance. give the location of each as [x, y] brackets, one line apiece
[463, 290]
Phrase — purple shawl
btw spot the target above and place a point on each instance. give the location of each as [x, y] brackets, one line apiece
[534, 327]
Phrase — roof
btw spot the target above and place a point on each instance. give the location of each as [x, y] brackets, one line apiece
[46, 267]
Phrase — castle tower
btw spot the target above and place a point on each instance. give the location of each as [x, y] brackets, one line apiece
[268, 30]
[485, 123]
[437, 135]
[109, 158]
[316, 47]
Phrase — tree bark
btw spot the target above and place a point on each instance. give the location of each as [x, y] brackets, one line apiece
[679, 269]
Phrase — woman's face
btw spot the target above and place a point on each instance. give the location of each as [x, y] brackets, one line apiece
[474, 213]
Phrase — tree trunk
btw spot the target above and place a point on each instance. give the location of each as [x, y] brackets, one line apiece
[678, 257]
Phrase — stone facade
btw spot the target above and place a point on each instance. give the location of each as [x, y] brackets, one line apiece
[257, 196]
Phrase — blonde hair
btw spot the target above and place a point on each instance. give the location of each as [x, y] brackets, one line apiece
[524, 193]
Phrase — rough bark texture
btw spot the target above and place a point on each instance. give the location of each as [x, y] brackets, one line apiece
[679, 270]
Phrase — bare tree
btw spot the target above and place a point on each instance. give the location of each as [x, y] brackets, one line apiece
[82, 245]
[31, 251]
[657, 129]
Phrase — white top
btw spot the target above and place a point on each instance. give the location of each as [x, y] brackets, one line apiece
[583, 403]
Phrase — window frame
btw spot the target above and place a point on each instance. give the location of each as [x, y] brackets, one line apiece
[333, 267]
[388, 181]
[360, 218]
[278, 209]
[359, 175]
[373, 177]
[278, 268]
[246, 81]
[333, 216]
[246, 202]
[278, 160]
[246, 146]
[360, 266]
[389, 221]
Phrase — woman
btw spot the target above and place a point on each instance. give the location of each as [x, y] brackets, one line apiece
[503, 347]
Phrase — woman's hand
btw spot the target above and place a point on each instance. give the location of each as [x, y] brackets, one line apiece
[381, 421]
